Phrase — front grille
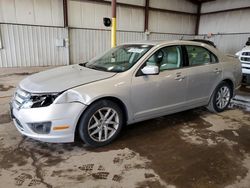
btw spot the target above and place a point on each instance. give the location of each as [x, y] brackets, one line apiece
[20, 98]
[245, 59]
[246, 53]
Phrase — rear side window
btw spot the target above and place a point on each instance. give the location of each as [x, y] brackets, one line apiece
[200, 56]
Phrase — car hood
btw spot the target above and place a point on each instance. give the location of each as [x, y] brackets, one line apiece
[246, 48]
[62, 78]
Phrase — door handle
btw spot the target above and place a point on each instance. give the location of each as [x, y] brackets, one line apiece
[217, 71]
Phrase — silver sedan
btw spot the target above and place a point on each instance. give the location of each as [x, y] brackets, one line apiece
[130, 83]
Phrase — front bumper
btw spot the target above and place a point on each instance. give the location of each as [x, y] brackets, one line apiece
[246, 70]
[245, 67]
[58, 114]
[246, 78]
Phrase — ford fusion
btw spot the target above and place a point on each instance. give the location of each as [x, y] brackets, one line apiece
[130, 83]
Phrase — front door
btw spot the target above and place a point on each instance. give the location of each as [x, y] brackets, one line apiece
[153, 95]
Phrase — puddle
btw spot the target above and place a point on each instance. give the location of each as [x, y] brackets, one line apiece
[5, 118]
[154, 153]
[5, 88]
[178, 161]
[17, 74]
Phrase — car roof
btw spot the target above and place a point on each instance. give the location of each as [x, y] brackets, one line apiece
[165, 42]
[246, 48]
[211, 43]
[157, 43]
[147, 42]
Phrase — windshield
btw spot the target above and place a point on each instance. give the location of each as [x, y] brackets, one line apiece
[119, 59]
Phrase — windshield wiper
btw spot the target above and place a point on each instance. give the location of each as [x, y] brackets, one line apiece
[98, 68]
[83, 64]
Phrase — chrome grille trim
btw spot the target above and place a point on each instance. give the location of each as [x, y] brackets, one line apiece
[245, 58]
[246, 53]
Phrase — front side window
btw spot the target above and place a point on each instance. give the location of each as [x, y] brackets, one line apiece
[199, 56]
[119, 59]
[167, 58]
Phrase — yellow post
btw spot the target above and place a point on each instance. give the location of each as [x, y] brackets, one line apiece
[113, 29]
[113, 33]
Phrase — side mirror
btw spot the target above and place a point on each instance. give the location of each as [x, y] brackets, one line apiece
[150, 70]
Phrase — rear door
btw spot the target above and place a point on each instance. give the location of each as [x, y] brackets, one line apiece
[204, 74]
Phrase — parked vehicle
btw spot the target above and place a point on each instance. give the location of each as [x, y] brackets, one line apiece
[130, 83]
[244, 57]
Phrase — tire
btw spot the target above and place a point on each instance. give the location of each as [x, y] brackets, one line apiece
[220, 98]
[95, 129]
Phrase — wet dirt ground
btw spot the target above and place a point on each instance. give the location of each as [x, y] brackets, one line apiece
[192, 149]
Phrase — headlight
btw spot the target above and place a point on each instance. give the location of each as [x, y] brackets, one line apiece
[69, 96]
[43, 100]
[36, 101]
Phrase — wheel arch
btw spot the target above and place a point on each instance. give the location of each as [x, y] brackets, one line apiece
[210, 105]
[231, 83]
[227, 80]
[110, 98]
[119, 102]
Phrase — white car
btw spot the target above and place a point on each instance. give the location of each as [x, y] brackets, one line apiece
[244, 57]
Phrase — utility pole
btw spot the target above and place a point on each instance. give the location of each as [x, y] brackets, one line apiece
[113, 29]
[146, 14]
[198, 15]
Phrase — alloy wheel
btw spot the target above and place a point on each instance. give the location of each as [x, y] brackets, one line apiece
[103, 124]
[223, 97]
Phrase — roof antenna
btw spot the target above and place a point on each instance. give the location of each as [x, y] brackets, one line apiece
[182, 37]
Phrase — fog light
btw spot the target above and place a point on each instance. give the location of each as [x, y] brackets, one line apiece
[40, 128]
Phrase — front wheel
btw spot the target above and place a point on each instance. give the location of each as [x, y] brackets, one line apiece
[101, 123]
[220, 98]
